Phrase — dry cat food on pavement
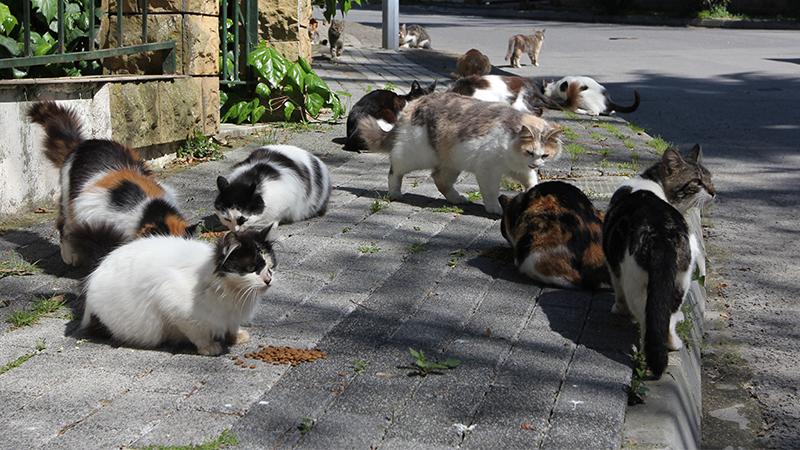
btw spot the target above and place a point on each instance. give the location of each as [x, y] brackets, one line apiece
[212, 234]
[285, 355]
[242, 363]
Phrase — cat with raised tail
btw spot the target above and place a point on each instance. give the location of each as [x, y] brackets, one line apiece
[650, 251]
[556, 234]
[108, 195]
[414, 36]
[383, 105]
[165, 289]
[522, 94]
[530, 45]
[451, 133]
[275, 184]
[584, 95]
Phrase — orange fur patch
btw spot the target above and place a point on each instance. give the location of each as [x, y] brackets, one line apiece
[593, 256]
[555, 266]
[176, 225]
[147, 184]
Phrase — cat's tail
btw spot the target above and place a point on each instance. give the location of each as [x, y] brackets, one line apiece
[620, 108]
[94, 242]
[63, 129]
[574, 90]
[510, 48]
[661, 301]
[377, 134]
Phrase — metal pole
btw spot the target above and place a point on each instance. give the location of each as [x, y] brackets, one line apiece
[391, 24]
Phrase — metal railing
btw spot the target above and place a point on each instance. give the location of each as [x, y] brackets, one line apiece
[235, 44]
[64, 57]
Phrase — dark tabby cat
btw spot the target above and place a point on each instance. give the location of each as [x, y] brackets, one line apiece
[650, 250]
[414, 36]
[555, 232]
[336, 38]
[519, 44]
[383, 105]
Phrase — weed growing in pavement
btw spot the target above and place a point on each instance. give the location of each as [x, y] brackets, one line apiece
[448, 209]
[569, 133]
[423, 367]
[575, 151]
[508, 185]
[474, 196]
[628, 144]
[346, 230]
[379, 203]
[225, 439]
[306, 425]
[359, 366]
[659, 145]
[635, 128]
[455, 256]
[612, 130]
[390, 86]
[701, 279]
[684, 328]
[369, 249]
[198, 148]
[42, 307]
[416, 247]
[16, 266]
[638, 390]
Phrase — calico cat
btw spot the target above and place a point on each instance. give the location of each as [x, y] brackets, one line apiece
[275, 184]
[584, 95]
[556, 234]
[336, 38]
[108, 195]
[521, 93]
[383, 105]
[414, 36]
[450, 133]
[472, 63]
[650, 251]
[166, 289]
[520, 43]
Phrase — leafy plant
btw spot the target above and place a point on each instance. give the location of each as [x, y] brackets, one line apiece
[377, 205]
[329, 7]
[16, 266]
[455, 256]
[306, 425]
[659, 145]
[684, 327]
[359, 366]
[638, 390]
[390, 86]
[290, 87]
[474, 196]
[369, 249]
[509, 185]
[423, 367]
[575, 151]
[569, 133]
[199, 147]
[44, 26]
[225, 439]
[416, 247]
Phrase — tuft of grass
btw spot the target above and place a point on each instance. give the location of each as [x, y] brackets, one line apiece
[571, 115]
[378, 204]
[455, 256]
[368, 88]
[448, 209]
[42, 307]
[638, 390]
[40, 346]
[598, 137]
[509, 185]
[575, 151]
[16, 266]
[346, 230]
[635, 128]
[719, 11]
[359, 366]
[423, 366]
[416, 247]
[627, 168]
[225, 439]
[612, 130]
[390, 86]
[701, 279]
[684, 328]
[628, 144]
[569, 133]
[659, 145]
[306, 425]
[604, 152]
[369, 249]
[198, 148]
[474, 196]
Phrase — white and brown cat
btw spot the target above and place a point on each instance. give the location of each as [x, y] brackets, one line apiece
[451, 133]
[584, 95]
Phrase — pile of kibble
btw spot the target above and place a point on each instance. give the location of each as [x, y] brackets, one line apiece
[283, 355]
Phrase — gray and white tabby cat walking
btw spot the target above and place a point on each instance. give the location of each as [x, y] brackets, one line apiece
[650, 251]
[336, 38]
[520, 43]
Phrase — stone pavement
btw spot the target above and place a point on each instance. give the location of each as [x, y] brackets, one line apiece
[540, 367]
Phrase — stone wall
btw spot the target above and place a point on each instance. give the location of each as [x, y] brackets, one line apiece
[194, 26]
[284, 23]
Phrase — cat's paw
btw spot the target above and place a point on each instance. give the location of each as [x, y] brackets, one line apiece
[493, 208]
[395, 195]
[674, 342]
[241, 337]
[212, 349]
[68, 254]
[620, 309]
[456, 199]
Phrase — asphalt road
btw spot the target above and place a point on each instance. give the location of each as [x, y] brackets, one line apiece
[736, 92]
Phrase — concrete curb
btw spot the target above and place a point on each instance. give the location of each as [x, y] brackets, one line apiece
[672, 413]
[568, 16]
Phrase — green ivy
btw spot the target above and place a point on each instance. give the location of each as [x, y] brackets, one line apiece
[291, 87]
[329, 7]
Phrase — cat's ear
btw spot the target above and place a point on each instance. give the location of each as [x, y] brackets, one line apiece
[563, 87]
[230, 242]
[696, 154]
[504, 201]
[526, 136]
[403, 28]
[432, 87]
[672, 160]
[265, 235]
[415, 86]
[222, 183]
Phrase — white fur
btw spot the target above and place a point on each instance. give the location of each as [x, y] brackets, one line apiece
[385, 126]
[643, 184]
[285, 198]
[592, 101]
[528, 267]
[164, 289]
[489, 157]
[498, 92]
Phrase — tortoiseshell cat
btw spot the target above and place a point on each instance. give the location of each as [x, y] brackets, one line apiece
[520, 43]
[556, 234]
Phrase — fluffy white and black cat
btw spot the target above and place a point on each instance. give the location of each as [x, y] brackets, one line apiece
[275, 184]
[414, 36]
[451, 133]
[108, 195]
[584, 95]
[522, 94]
[650, 251]
[383, 105]
[166, 289]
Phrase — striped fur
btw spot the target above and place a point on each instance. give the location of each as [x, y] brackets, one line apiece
[107, 193]
[276, 183]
